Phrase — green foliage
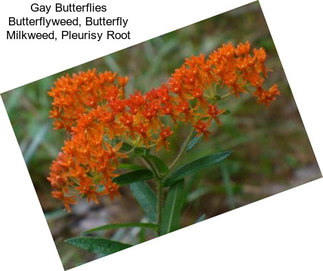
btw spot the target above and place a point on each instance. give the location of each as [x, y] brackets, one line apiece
[193, 142]
[125, 146]
[197, 193]
[37, 139]
[146, 198]
[196, 166]
[171, 214]
[140, 151]
[122, 225]
[227, 185]
[129, 166]
[160, 165]
[97, 245]
[134, 176]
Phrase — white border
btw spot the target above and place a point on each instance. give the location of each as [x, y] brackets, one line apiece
[283, 232]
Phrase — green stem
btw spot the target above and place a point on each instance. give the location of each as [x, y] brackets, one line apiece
[159, 204]
[159, 183]
[161, 180]
[130, 151]
[145, 163]
[152, 166]
[225, 96]
[182, 150]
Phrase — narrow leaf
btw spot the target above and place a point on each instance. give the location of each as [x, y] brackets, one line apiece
[112, 64]
[36, 141]
[171, 212]
[161, 166]
[198, 193]
[193, 142]
[97, 244]
[125, 146]
[129, 166]
[134, 176]
[196, 166]
[123, 225]
[228, 186]
[139, 151]
[142, 235]
[146, 198]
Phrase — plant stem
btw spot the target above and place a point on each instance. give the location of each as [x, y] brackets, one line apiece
[159, 204]
[130, 151]
[225, 96]
[147, 165]
[159, 189]
[152, 166]
[160, 180]
[182, 150]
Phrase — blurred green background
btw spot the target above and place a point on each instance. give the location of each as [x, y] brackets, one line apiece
[271, 149]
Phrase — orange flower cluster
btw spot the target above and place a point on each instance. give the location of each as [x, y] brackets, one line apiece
[93, 108]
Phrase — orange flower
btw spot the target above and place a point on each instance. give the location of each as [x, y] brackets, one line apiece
[93, 109]
[266, 97]
[165, 133]
[201, 128]
[214, 112]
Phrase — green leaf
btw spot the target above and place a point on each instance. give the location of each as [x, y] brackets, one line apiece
[228, 185]
[161, 166]
[125, 146]
[122, 225]
[196, 166]
[97, 244]
[142, 235]
[193, 142]
[36, 141]
[140, 152]
[129, 166]
[134, 176]
[146, 198]
[171, 212]
[112, 64]
[198, 193]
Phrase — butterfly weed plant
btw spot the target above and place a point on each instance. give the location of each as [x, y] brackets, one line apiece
[105, 128]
